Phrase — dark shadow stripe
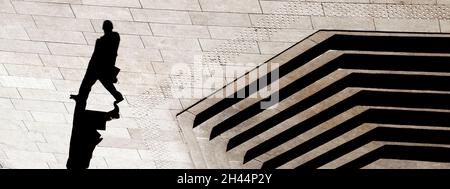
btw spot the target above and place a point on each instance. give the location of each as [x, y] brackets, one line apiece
[415, 153]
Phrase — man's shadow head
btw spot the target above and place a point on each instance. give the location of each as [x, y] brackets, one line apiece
[107, 26]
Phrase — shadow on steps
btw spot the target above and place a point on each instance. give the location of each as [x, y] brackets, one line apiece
[85, 135]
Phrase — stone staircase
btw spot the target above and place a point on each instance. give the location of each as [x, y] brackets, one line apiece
[342, 99]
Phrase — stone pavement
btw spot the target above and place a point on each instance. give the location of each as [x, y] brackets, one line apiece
[45, 46]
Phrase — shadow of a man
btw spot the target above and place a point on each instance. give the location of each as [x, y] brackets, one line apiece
[102, 65]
